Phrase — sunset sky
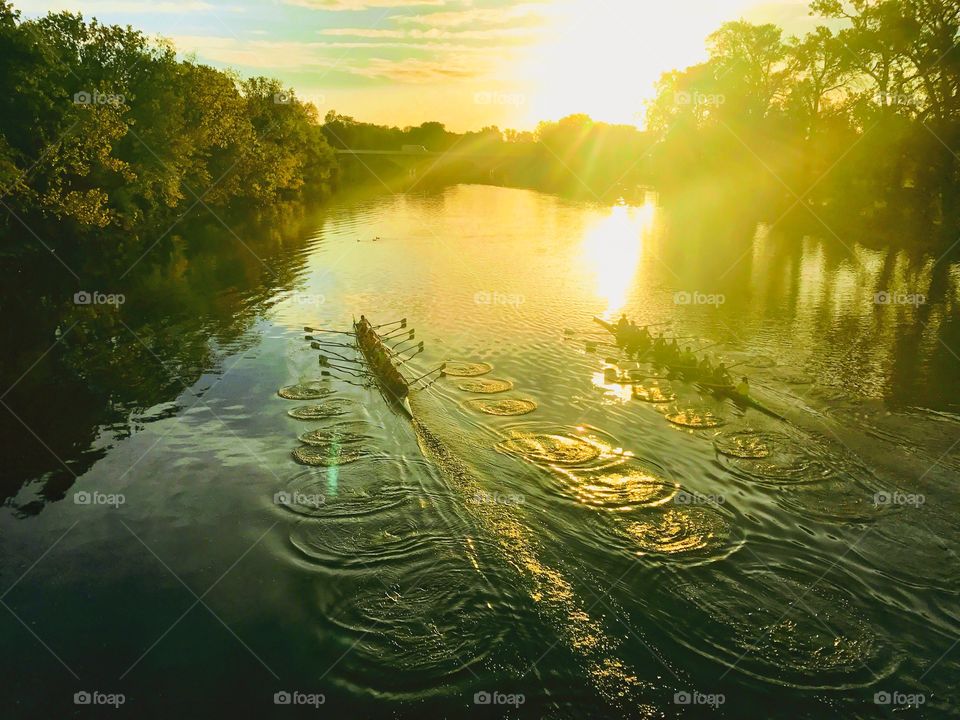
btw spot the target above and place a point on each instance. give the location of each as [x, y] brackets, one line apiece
[467, 63]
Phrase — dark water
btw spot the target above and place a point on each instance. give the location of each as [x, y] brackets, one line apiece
[591, 556]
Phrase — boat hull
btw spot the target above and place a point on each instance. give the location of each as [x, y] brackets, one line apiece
[395, 389]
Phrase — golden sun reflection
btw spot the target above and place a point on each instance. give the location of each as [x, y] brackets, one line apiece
[613, 248]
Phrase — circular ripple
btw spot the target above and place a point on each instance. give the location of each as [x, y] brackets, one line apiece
[835, 500]
[457, 368]
[504, 407]
[346, 542]
[334, 493]
[673, 531]
[695, 418]
[330, 408]
[418, 627]
[489, 386]
[323, 437]
[653, 394]
[747, 444]
[620, 488]
[760, 361]
[305, 391]
[790, 460]
[325, 456]
[551, 449]
[787, 628]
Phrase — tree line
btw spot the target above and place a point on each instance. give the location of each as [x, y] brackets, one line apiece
[862, 114]
[575, 155]
[103, 129]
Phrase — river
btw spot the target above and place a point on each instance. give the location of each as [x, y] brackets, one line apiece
[602, 555]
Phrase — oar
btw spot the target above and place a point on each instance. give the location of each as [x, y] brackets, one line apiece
[394, 333]
[402, 321]
[316, 346]
[338, 332]
[325, 362]
[569, 332]
[397, 351]
[404, 360]
[410, 336]
[340, 358]
[427, 374]
[326, 343]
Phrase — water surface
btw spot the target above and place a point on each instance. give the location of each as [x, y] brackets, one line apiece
[586, 552]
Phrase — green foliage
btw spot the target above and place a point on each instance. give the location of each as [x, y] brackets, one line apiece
[868, 113]
[102, 128]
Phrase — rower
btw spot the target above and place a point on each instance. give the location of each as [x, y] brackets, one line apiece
[687, 358]
[743, 387]
[705, 368]
[632, 333]
[622, 322]
[659, 345]
[721, 376]
[673, 352]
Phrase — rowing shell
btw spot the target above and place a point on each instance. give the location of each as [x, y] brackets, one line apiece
[728, 391]
[393, 385]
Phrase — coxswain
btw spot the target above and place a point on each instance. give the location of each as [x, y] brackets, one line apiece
[743, 387]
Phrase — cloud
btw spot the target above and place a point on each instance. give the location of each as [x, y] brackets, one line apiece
[508, 15]
[451, 61]
[275, 54]
[413, 70]
[431, 34]
[132, 7]
[338, 5]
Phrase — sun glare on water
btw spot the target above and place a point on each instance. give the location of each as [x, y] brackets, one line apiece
[612, 249]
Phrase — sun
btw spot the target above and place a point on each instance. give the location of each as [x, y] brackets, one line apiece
[604, 57]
